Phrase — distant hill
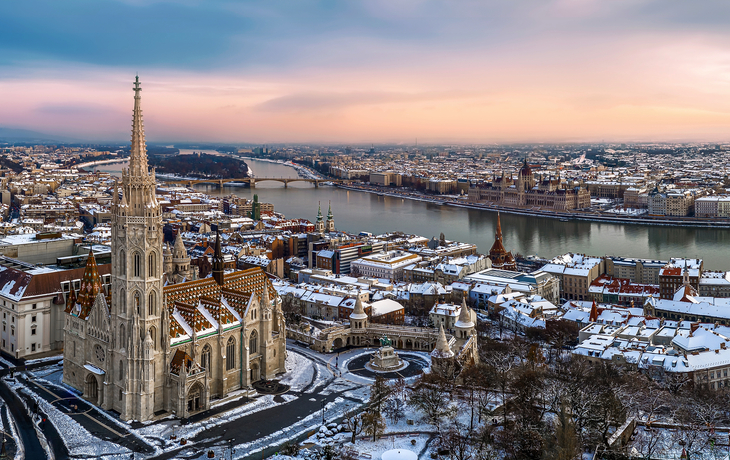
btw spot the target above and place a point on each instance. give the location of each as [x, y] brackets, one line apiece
[202, 166]
[12, 135]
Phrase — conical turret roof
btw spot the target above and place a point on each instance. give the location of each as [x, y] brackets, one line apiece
[464, 320]
[359, 311]
[180, 252]
[442, 349]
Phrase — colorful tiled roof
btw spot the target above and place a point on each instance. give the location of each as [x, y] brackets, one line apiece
[89, 288]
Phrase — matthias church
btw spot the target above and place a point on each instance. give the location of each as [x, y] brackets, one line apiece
[145, 349]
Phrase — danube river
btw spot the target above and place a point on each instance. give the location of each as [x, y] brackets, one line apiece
[360, 211]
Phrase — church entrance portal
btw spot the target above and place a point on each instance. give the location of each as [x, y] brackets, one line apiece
[92, 388]
[255, 373]
[195, 399]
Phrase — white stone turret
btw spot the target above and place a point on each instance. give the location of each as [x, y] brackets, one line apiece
[442, 349]
[358, 317]
[465, 324]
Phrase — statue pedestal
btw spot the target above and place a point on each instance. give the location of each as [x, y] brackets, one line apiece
[386, 360]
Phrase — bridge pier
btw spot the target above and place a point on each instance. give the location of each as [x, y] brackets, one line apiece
[220, 184]
[252, 183]
[316, 184]
[286, 184]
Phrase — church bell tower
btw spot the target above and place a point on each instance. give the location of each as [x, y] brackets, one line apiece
[137, 347]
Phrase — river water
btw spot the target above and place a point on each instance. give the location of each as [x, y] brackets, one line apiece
[359, 211]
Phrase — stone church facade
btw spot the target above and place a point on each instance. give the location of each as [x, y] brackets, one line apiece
[144, 349]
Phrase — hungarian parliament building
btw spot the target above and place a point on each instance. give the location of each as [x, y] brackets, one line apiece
[525, 191]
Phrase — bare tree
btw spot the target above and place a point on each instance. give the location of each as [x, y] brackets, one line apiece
[648, 444]
[373, 424]
[394, 409]
[379, 393]
[458, 445]
[501, 362]
[354, 424]
[564, 444]
[432, 400]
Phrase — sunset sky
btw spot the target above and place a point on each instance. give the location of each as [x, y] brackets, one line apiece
[369, 71]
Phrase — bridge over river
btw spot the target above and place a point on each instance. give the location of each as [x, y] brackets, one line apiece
[252, 181]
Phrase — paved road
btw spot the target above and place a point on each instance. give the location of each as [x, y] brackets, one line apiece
[28, 437]
[263, 423]
[49, 430]
[87, 416]
[254, 426]
[26, 367]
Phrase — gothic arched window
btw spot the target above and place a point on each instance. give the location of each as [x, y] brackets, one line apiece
[205, 359]
[137, 303]
[137, 264]
[231, 354]
[153, 334]
[151, 307]
[122, 338]
[121, 370]
[153, 264]
[253, 343]
[122, 263]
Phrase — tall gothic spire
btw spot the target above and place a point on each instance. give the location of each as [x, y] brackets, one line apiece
[218, 270]
[138, 154]
[498, 235]
[329, 213]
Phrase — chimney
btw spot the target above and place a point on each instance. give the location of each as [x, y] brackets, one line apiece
[692, 328]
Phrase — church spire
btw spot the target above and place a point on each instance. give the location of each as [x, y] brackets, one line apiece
[319, 212]
[218, 259]
[330, 225]
[138, 152]
[499, 256]
[498, 235]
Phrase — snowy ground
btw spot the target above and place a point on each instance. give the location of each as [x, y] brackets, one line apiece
[664, 443]
[43, 360]
[300, 371]
[309, 374]
[78, 441]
